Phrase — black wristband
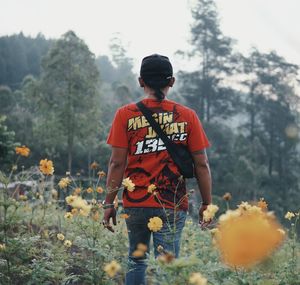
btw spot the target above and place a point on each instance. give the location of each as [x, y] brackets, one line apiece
[205, 204]
[107, 206]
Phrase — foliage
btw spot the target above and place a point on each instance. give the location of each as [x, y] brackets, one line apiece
[20, 56]
[47, 238]
[7, 142]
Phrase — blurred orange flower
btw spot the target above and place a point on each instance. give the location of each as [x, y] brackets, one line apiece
[23, 150]
[247, 235]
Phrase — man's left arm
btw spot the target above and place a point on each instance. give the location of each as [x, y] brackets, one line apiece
[116, 168]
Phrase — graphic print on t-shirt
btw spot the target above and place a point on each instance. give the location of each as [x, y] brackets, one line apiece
[176, 131]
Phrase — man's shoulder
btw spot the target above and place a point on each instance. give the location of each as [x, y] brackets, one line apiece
[181, 107]
[128, 107]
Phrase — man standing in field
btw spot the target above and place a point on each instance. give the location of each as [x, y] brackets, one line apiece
[154, 196]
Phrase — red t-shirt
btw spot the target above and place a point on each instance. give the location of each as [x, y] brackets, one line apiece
[148, 160]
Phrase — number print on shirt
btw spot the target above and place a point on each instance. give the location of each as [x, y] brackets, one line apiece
[155, 145]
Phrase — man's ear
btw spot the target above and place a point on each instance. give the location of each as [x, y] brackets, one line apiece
[141, 82]
[172, 81]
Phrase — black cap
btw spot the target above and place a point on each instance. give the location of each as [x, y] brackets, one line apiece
[156, 67]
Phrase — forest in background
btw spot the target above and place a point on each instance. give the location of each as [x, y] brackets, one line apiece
[59, 99]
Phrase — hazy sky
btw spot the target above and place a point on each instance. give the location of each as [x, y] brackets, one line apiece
[156, 26]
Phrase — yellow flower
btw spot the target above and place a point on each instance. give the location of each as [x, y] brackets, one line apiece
[99, 190]
[67, 243]
[112, 268]
[83, 212]
[244, 206]
[46, 167]
[68, 215]
[77, 191]
[262, 204]
[70, 199]
[128, 184]
[197, 279]
[210, 212]
[2, 246]
[101, 173]
[151, 188]
[227, 196]
[289, 215]
[23, 151]
[214, 232]
[229, 215]
[64, 182]
[45, 234]
[155, 224]
[54, 194]
[74, 211]
[23, 197]
[60, 236]
[78, 202]
[89, 190]
[247, 236]
[160, 249]
[96, 216]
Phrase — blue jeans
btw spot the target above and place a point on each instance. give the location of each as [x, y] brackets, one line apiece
[138, 232]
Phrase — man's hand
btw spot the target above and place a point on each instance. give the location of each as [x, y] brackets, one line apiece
[204, 225]
[109, 213]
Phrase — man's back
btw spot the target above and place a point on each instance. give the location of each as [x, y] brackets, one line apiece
[149, 163]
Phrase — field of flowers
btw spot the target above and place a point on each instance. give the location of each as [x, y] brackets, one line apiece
[52, 234]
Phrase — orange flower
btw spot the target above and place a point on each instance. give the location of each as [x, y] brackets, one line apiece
[46, 167]
[77, 191]
[247, 235]
[23, 150]
[94, 165]
[142, 247]
[89, 190]
[138, 253]
[124, 216]
[101, 173]
[167, 257]
[99, 190]
[262, 204]
[227, 196]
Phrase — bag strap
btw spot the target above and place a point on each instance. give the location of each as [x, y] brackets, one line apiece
[148, 114]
